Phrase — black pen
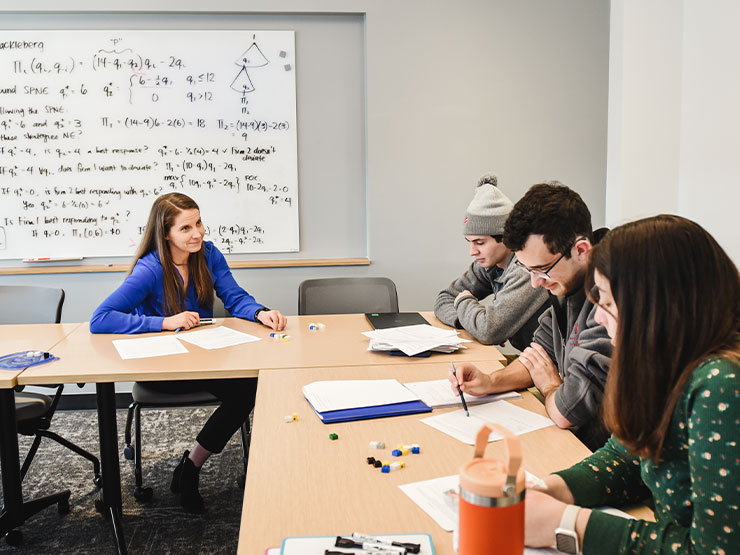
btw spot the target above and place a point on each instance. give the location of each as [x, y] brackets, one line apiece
[465, 405]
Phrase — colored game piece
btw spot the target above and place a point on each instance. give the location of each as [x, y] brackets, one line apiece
[333, 437]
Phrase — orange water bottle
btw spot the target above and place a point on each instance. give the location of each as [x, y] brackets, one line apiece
[491, 504]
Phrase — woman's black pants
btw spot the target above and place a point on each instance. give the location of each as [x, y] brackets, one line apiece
[237, 401]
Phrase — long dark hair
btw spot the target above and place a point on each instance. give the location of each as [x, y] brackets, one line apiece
[678, 299]
[161, 218]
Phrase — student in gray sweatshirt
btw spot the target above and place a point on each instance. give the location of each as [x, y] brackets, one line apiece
[513, 311]
[550, 231]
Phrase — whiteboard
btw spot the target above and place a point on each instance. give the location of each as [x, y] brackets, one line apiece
[94, 125]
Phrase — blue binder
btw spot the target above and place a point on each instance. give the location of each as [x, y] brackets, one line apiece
[365, 413]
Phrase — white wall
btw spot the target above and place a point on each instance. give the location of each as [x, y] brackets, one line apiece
[453, 90]
[674, 115]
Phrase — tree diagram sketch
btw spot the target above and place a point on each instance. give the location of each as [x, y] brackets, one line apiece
[252, 57]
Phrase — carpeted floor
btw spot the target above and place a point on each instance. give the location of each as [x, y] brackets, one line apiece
[159, 527]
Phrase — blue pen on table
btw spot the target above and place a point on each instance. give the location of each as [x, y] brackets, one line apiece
[464, 404]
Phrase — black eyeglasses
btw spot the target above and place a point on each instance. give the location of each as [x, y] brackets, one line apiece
[545, 273]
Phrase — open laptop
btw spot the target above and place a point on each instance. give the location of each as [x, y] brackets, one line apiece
[383, 320]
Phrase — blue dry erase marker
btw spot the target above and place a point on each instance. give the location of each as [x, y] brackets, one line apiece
[177, 330]
[464, 404]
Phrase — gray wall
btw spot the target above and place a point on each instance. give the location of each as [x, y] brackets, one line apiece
[452, 90]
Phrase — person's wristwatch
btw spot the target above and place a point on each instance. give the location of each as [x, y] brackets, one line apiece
[263, 309]
[566, 538]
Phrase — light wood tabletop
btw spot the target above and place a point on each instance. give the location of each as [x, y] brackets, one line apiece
[86, 357]
[29, 337]
[300, 483]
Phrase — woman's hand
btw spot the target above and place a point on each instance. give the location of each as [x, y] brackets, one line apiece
[471, 379]
[542, 515]
[273, 319]
[183, 320]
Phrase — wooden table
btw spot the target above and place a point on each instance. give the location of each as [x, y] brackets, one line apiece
[93, 358]
[303, 484]
[26, 337]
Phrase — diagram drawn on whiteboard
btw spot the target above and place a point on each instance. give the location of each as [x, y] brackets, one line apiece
[252, 57]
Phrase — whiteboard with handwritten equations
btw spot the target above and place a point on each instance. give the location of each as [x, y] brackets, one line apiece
[94, 125]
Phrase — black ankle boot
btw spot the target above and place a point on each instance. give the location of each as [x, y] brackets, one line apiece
[185, 480]
[175, 484]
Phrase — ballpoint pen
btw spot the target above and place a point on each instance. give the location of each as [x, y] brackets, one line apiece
[464, 404]
[202, 322]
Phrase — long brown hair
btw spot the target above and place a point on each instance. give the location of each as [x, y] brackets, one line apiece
[161, 218]
[678, 300]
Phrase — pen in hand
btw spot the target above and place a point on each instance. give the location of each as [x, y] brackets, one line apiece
[464, 404]
[202, 322]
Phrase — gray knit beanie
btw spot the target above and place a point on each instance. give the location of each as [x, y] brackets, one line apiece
[487, 212]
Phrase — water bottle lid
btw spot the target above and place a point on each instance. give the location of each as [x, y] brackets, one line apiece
[487, 478]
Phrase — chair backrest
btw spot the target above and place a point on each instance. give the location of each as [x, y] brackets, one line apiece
[30, 304]
[219, 310]
[347, 295]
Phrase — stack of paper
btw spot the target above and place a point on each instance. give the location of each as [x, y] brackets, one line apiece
[342, 400]
[412, 340]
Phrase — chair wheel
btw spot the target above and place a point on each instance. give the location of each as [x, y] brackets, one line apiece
[63, 506]
[128, 452]
[143, 495]
[98, 481]
[14, 537]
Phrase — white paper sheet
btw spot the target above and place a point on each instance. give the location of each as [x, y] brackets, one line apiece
[438, 394]
[458, 425]
[144, 347]
[415, 339]
[437, 497]
[350, 394]
[216, 338]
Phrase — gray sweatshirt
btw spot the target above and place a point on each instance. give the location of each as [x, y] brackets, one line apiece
[582, 355]
[513, 313]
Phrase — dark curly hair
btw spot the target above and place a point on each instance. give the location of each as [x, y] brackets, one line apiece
[552, 210]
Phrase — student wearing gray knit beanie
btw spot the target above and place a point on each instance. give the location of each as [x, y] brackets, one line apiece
[487, 212]
[512, 314]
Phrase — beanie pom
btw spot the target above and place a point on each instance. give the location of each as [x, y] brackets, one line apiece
[488, 179]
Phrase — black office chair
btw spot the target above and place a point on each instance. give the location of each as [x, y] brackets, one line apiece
[347, 295]
[22, 304]
[146, 397]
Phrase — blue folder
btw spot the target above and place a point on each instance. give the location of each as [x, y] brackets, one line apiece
[379, 411]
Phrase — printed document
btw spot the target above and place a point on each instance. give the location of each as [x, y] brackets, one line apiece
[144, 347]
[216, 338]
[412, 340]
[458, 425]
[438, 394]
[352, 394]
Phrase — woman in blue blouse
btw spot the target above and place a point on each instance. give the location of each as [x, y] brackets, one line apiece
[170, 286]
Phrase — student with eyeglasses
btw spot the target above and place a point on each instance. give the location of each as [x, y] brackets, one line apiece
[669, 297]
[550, 232]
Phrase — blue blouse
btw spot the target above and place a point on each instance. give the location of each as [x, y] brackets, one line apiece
[137, 305]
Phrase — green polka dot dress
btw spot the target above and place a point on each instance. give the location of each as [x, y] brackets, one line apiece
[695, 489]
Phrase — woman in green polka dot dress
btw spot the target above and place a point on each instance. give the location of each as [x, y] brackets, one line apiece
[669, 297]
